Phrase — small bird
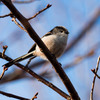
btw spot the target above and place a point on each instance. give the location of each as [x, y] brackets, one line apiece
[55, 40]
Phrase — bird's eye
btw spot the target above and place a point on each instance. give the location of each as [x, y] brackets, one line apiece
[61, 31]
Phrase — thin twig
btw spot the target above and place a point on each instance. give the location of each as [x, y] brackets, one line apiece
[48, 6]
[13, 96]
[7, 15]
[93, 70]
[84, 56]
[3, 53]
[4, 50]
[93, 83]
[4, 69]
[14, 20]
[29, 61]
[35, 96]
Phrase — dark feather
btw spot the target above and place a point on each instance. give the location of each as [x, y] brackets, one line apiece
[32, 48]
[49, 33]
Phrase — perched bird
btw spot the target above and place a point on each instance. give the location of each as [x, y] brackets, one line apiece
[55, 40]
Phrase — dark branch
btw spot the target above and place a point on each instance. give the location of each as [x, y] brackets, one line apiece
[7, 15]
[23, 2]
[13, 96]
[91, 94]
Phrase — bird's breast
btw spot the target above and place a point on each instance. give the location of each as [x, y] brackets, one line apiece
[55, 44]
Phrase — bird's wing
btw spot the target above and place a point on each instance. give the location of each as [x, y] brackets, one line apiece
[49, 33]
[33, 47]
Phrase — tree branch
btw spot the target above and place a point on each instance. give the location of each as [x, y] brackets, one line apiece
[91, 94]
[48, 6]
[7, 15]
[93, 70]
[87, 26]
[13, 96]
[35, 96]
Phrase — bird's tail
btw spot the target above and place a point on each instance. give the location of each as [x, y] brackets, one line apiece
[28, 55]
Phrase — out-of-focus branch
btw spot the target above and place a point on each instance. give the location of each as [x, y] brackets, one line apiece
[44, 49]
[38, 77]
[4, 69]
[97, 67]
[18, 24]
[4, 50]
[13, 96]
[23, 2]
[87, 26]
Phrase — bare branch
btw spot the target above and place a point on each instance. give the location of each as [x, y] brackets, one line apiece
[4, 69]
[14, 19]
[4, 50]
[35, 96]
[29, 61]
[48, 6]
[13, 96]
[91, 94]
[7, 15]
[93, 70]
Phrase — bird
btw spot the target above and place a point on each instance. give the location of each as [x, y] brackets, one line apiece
[55, 40]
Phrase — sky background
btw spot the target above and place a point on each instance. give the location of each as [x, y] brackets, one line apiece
[72, 14]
